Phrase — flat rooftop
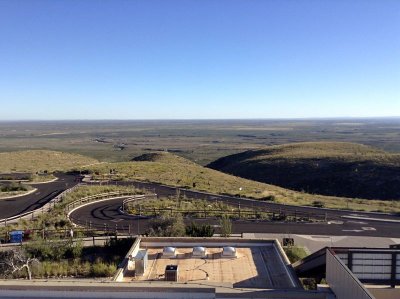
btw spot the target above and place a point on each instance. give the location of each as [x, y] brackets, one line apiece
[254, 267]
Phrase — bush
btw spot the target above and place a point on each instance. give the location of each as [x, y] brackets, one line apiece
[167, 226]
[268, 198]
[14, 187]
[318, 204]
[100, 269]
[226, 226]
[295, 253]
[195, 230]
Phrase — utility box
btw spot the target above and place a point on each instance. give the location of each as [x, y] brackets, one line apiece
[16, 236]
[141, 260]
[171, 273]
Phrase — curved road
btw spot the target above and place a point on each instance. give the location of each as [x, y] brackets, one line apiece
[106, 214]
[44, 193]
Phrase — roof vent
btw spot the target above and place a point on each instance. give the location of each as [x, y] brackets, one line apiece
[229, 251]
[169, 252]
[199, 252]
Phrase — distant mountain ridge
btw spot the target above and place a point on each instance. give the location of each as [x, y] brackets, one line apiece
[327, 168]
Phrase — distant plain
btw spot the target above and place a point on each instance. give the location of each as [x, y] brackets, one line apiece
[201, 141]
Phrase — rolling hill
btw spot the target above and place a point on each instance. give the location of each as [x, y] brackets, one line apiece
[41, 160]
[169, 169]
[327, 168]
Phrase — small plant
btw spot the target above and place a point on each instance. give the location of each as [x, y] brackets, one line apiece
[318, 204]
[226, 226]
[295, 253]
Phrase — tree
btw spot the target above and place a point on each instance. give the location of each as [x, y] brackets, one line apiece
[226, 226]
[167, 226]
[15, 261]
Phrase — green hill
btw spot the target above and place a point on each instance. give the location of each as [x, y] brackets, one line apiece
[328, 168]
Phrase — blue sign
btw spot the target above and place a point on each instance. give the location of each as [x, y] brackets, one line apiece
[16, 236]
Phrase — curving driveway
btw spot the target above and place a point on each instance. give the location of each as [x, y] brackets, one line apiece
[44, 193]
[106, 214]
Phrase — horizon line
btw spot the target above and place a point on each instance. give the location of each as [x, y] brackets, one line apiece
[202, 119]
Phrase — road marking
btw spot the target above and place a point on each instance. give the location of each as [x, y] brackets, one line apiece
[357, 222]
[368, 228]
[373, 219]
[335, 222]
[352, 230]
[116, 220]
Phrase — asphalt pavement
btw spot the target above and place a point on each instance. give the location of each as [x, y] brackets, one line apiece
[44, 193]
[106, 214]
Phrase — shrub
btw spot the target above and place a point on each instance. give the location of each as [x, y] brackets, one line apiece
[195, 230]
[167, 226]
[14, 187]
[226, 226]
[100, 269]
[295, 253]
[318, 204]
[268, 198]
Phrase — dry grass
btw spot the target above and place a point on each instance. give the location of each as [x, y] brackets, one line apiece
[349, 152]
[41, 160]
[172, 170]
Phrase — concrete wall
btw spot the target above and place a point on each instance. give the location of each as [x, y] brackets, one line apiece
[384, 293]
[342, 281]
[155, 242]
[127, 265]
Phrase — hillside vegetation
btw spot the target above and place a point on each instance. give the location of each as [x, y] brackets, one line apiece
[173, 170]
[328, 168]
[41, 160]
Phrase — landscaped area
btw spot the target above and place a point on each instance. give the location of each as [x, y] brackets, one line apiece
[63, 258]
[13, 189]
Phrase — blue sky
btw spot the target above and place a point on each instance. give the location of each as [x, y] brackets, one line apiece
[199, 59]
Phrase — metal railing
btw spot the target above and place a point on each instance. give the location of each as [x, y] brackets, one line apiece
[127, 229]
[34, 213]
[136, 198]
[96, 197]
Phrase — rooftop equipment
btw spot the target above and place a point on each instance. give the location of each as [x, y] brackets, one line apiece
[141, 260]
[229, 252]
[199, 252]
[171, 273]
[169, 252]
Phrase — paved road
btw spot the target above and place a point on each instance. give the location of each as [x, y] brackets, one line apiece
[162, 190]
[44, 193]
[106, 214]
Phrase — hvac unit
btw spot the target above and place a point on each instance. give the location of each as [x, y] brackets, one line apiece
[171, 273]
